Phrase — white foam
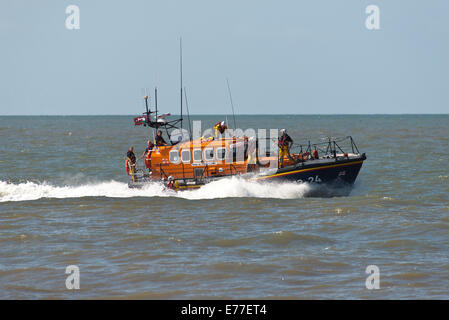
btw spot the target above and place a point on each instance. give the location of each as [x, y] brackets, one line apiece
[113, 189]
[237, 187]
[225, 188]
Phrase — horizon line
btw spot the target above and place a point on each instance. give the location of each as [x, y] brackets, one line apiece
[223, 114]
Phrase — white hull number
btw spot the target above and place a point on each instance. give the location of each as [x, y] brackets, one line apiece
[315, 179]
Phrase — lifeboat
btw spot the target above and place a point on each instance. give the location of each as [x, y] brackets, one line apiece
[187, 163]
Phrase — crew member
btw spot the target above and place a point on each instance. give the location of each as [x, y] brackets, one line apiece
[148, 151]
[131, 163]
[285, 142]
[220, 128]
[159, 139]
[170, 183]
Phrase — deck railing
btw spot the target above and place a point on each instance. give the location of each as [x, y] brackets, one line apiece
[327, 148]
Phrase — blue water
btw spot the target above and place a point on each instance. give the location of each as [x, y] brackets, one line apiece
[64, 201]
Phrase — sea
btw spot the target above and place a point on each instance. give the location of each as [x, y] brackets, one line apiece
[68, 217]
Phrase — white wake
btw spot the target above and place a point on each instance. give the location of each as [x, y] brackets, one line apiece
[225, 188]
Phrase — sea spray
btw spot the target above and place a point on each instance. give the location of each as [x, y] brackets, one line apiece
[224, 188]
[237, 187]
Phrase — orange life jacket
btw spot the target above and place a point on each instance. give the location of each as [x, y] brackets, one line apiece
[127, 166]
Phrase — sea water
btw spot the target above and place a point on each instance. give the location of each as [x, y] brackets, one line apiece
[64, 201]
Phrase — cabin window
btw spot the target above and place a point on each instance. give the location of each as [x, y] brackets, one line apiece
[221, 154]
[209, 154]
[197, 155]
[185, 156]
[174, 156]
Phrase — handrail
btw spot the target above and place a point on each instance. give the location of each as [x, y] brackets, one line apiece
[326, 148]
[329, 147]
[162, 171]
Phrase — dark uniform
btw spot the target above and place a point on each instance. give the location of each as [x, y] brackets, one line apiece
[220, 128]
[160, 141]
[132, 157]
[149, 149]
[131, 163]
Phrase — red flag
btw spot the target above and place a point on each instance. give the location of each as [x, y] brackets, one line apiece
[140, 120]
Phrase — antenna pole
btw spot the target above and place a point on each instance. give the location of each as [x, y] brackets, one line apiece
[155, 101]
[180, 65]
[188, 113]
[146, 106]
[232, 104]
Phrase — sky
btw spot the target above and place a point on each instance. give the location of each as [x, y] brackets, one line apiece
[281, 57]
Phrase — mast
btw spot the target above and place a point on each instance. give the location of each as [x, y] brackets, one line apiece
[188, 114]
[232, 104]
[148, 113]
[155, 101]
[180, 67]
[170, 124]
[155, 116]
